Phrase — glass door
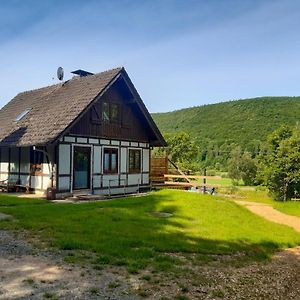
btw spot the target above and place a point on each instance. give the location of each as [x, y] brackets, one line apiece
[82, 168]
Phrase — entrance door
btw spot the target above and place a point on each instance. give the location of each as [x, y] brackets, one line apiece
[82, 168]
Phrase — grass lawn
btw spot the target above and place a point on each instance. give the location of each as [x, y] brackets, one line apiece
[290, 207]
[253, 195]
[224, 182]
[125, 232]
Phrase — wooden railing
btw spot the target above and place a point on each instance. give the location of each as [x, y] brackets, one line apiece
[189, 182]
[165, 173]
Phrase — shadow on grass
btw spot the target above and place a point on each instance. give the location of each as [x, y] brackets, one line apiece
[124, 232]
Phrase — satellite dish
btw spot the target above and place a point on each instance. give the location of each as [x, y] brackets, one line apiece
[60, 73]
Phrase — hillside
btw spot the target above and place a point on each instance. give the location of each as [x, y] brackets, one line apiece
[244, 122]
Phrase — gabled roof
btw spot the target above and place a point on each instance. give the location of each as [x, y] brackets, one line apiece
[55, 108]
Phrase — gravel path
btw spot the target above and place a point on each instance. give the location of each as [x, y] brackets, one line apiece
[271, 214]
[29, 273]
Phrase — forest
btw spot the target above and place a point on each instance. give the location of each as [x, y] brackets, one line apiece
[254, 141]
[215, 130]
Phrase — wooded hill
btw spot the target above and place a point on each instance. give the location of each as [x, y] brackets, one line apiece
[241, 122]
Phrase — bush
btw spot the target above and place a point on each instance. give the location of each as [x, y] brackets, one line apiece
[210, 172]
[260, 188]
[242, 166]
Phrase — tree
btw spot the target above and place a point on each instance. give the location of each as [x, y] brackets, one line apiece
[242, 166]
[234, 171]
[249, 169]
[280, 164]
[182, 149]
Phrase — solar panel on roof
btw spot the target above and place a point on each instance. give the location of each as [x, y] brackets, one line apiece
[23, 114]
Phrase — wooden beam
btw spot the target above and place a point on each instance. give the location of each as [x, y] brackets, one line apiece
[192, 176]
[182, 174]
[178, 183]
[191, 184]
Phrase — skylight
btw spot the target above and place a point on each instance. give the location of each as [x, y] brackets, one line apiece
[23, 114]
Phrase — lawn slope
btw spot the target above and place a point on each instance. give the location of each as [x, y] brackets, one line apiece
[126, 232]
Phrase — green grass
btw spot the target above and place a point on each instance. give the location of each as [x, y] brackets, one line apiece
[123, 232]
[11, 200]
[253, 195]
[226, 182]
[222, 181]
[290, 207]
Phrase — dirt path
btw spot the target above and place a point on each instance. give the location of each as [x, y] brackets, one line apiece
[271, 214]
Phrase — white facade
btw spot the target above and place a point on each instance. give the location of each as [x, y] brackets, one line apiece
[58, 169]
[101, 183]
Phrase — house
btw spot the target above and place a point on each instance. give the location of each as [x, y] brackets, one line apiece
[90, 134]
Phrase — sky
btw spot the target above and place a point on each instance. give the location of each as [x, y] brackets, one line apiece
[177, 53]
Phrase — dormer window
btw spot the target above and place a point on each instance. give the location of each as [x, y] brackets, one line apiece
[110, 112]
[23, 114]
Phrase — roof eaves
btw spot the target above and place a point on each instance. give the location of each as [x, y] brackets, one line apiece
[140, 103]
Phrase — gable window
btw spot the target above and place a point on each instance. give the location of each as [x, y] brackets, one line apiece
[105, 112]
[110, 112]
[110, 161]
[134, 161]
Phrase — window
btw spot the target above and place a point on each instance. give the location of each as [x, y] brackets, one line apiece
[110, 161]
[110, 112]
[105, 112]
[23, 114]
[134, 161]
[114, 112]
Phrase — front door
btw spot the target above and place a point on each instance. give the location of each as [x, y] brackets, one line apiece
[82, 168]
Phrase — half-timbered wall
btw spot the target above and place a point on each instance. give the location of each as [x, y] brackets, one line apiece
[101, 183]
[15, 165]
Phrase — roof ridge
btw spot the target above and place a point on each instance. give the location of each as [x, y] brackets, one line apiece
[109, 70]
[74, 77]
[103, 72]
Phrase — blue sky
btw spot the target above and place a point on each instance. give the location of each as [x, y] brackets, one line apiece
[178, 53]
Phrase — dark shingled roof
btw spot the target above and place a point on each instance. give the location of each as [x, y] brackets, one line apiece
[54, 108]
